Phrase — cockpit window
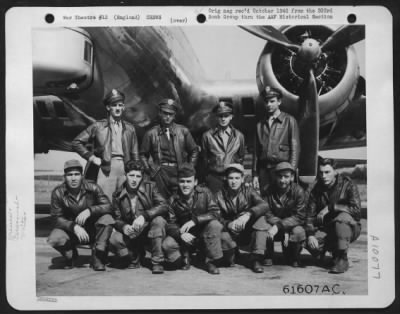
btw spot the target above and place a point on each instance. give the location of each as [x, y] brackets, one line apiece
[88, 52]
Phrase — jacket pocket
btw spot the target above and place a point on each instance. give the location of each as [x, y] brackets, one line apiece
[284, 152]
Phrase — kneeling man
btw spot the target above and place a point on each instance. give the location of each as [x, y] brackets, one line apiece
[193, 223]
[287, 204]
[138, 209]
[82, 214]
[242, 215]
[333, 215]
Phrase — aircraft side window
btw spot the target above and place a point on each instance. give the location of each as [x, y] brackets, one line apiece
[248, 106]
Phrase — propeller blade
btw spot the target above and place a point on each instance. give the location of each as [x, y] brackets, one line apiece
[271, 34]
[309, 128]
[344, 36]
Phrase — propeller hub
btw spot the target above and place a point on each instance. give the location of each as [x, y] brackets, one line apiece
[310, 50]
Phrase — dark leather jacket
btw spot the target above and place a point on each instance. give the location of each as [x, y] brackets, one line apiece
[203, 210]
[280, 143]
[343, 196]
[151, 200]
[185, 147]
[101, 133]
[286, 211]
[64, 208]
[215, 156]
[248, 200]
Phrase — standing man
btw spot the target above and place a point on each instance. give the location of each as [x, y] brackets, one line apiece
[82, 215]
[115, 143]
[139, 210]
[242, 215]
[193, 223]
[276, 140]
[221, 146]
[333, 215]
[287, 204]
[170, 145]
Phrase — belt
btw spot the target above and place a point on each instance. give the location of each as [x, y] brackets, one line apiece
[117, 156]
[170, 164]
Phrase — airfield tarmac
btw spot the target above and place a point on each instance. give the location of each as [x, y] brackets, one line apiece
[280, 279]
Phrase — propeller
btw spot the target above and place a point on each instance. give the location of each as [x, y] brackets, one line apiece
[271, 34]
[344, 36]
[307, 56]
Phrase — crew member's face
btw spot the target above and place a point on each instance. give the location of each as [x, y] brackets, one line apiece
[187, 185]
[73, 179]
[224, 119]
[327, 175]
[133, 179]
[235, 180]
[116, 109]
[167, 117]
[283, 179]
[272, 105]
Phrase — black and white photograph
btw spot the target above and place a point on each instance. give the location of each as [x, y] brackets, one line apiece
[200, 160]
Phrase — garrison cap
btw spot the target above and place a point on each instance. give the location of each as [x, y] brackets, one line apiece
[237, 167]
[113, 96]
[284, 165]
[271, 92]
[223, 107]
[186, 170]
[168, 105]
[71, 164]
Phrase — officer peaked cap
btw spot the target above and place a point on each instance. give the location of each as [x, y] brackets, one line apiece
[271, 92]
[113, 96]
[223, 107]
[168, 105]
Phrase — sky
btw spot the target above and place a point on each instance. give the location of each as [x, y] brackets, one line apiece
[232, 54]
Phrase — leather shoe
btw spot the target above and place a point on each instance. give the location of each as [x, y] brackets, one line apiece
[157, 269]
[71, 258]
[341, 266]
[257, 267]
[212, 269]
[267, 262]
[186, 263]
[97, 261]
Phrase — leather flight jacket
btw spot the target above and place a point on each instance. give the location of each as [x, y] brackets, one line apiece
[100, 132]
[214, 154]
[247, 201]
[64, 207]
[202, 210]
[186, 150]
[278, 143]
[288, 210]
[343, 196]
[153, 204]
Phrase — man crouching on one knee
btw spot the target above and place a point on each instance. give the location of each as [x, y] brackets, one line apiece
[242, 214]
[138, 209]
[193, 223]
[82, 214]
[333, 215]
[287, 203]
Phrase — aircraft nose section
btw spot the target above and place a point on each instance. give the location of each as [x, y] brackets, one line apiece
[310, 50]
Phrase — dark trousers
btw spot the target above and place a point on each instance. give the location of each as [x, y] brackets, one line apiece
[297, 235]
[208, 239]
[265, 178]
[98, 229]
[124, 246]
[253, 234]
[167, 180]
[215, 181]
[337, 234]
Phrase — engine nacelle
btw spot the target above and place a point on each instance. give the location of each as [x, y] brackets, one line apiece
[63, 61]
[333, 100]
